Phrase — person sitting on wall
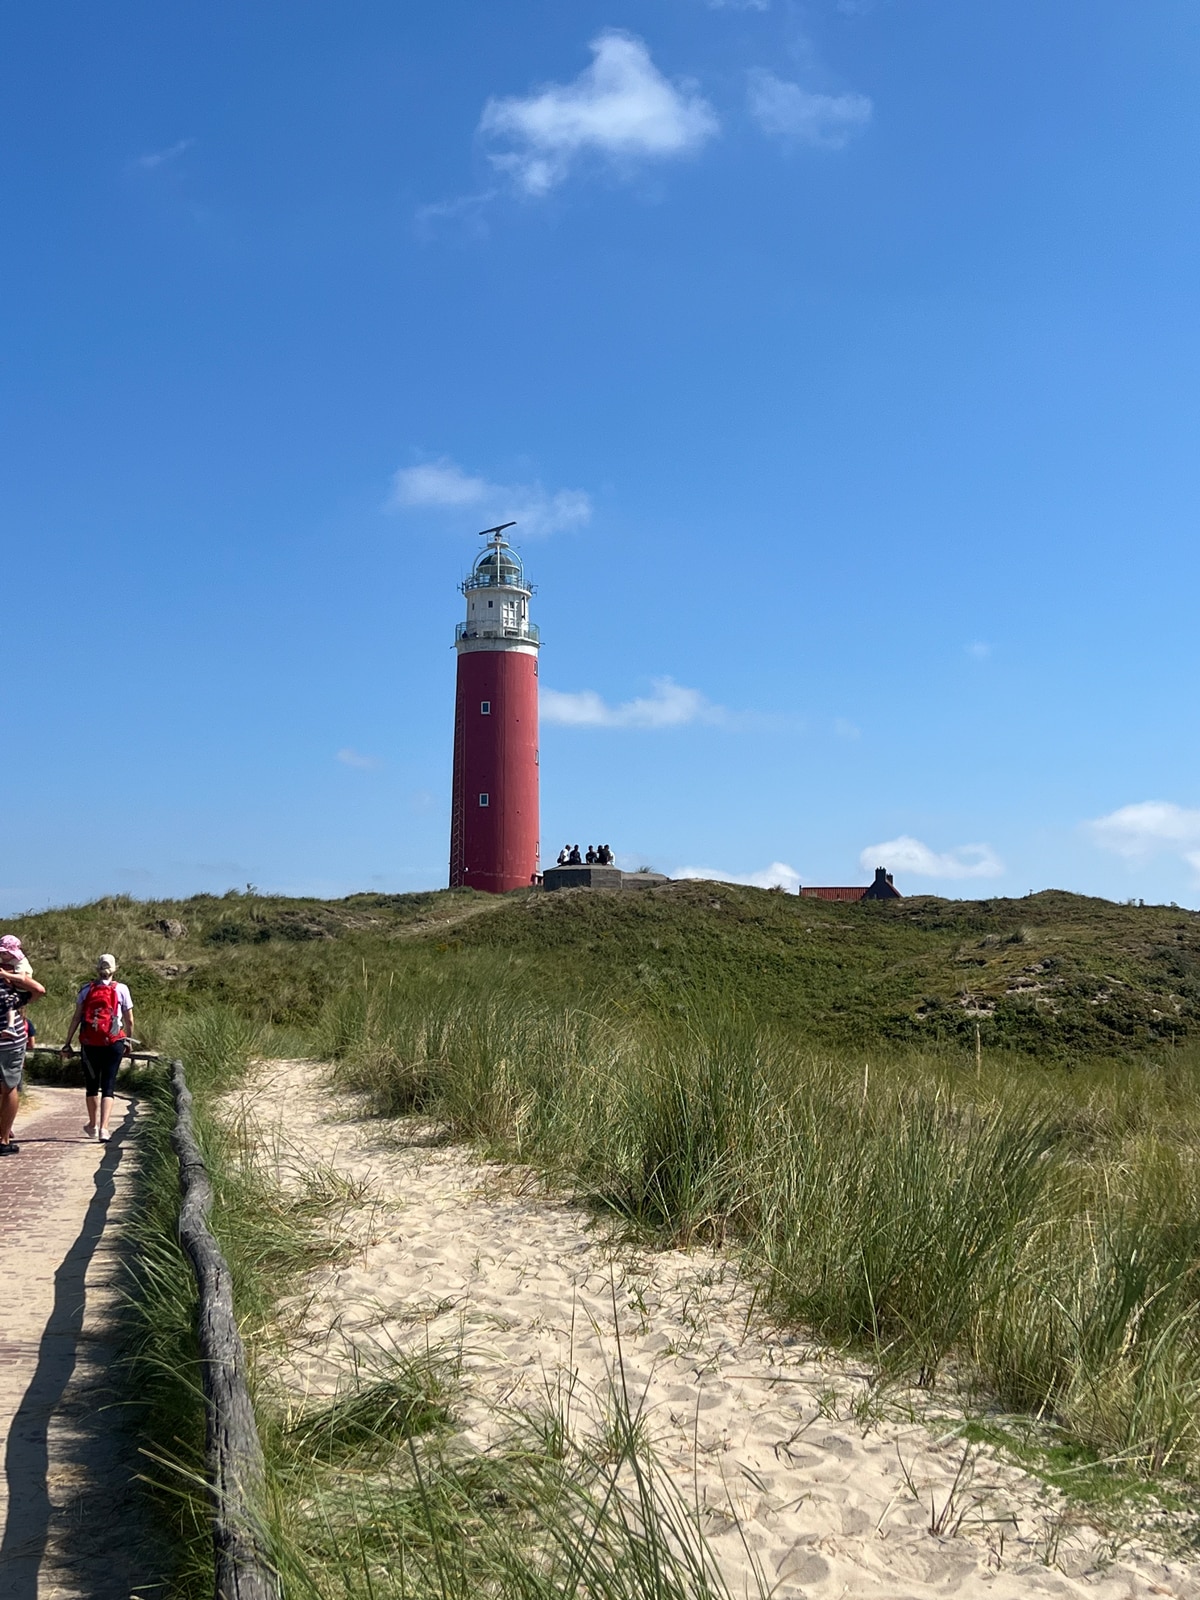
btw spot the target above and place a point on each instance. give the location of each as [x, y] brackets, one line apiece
[606, 856]
[591, 858]
[564, 855]
[575, 859]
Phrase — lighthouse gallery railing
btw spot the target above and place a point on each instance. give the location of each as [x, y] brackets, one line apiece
[472, 630]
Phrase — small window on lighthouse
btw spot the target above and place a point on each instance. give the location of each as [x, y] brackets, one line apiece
[483, 799]
[491, 603]
[485, 708]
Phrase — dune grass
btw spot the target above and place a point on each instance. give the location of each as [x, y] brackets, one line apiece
[1040, 1229]
[409, 1511]
[269, 1243]
[370, 1494]
[707, 1063]
[1052, 975]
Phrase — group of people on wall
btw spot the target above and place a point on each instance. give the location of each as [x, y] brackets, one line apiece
[597, 856]
[103, 1019]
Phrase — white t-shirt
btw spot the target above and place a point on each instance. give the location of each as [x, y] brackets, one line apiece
[124, 998]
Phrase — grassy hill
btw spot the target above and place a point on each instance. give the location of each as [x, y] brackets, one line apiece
[716, 1062]
[1051, 974]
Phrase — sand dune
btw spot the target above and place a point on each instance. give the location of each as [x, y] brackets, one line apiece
[797, 1464]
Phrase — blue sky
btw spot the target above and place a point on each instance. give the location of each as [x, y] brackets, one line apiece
[840, 362]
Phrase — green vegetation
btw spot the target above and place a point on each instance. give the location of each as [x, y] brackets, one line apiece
[415, 1515]
[270, 1241]
[371, 1494]
[1051, 976]
[1038, 1224]
[708, 1061]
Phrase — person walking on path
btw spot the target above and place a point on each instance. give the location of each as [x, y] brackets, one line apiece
[17, 989]
[104, 1017]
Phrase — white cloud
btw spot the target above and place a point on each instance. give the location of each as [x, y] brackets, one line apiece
[621, 108]
[466, 213]
[443, 486]
[437, 483]
[979, 651]
[777, 876]
[739, 5]
[352, 758]
[669, 706]
[786, 111]
[159, 158]
[910, 855]
[1150, 828]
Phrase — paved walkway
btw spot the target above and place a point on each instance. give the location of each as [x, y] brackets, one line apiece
[70, 1508]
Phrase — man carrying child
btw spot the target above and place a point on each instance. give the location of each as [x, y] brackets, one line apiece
[18, 987]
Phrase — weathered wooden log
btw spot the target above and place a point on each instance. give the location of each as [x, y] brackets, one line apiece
[232, 1448]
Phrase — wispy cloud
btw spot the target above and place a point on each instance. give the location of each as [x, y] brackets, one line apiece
[442, 485]
[670, 705]
[777, 876]
[621, 109]
[906, 854]
[786, 111]
[159, 158]
[1151, 827]
[467, 213]
[739, 5]
[353, 758]
[978, 650]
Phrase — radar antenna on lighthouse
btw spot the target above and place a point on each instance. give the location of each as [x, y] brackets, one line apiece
[494, 800]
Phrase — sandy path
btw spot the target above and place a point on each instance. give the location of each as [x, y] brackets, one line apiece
[453, 1249]
[69, 1507]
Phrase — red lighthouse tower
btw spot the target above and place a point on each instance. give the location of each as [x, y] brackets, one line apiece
[494, 807]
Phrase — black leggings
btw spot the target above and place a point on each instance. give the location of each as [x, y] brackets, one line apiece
[100, 1063]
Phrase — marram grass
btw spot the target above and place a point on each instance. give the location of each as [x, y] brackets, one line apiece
[1038, 1227]
[371, 1495]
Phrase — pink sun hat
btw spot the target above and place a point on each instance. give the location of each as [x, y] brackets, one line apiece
[11, 942]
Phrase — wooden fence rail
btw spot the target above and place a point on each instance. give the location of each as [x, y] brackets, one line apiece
[232, 1447]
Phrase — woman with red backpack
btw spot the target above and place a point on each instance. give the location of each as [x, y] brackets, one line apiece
[104, 1017]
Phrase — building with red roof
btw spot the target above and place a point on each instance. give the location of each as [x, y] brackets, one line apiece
[882, 889]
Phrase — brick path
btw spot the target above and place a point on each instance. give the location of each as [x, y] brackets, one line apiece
[69, 1506]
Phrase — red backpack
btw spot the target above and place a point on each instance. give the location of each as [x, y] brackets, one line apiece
[101, 1015]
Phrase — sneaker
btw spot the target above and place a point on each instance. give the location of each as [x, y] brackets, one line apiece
[90, 1131]
[9, 1149]
[105, 1136]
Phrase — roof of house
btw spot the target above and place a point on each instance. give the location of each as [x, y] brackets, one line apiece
[834, 894]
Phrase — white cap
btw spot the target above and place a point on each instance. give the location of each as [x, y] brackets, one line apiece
[107, 963]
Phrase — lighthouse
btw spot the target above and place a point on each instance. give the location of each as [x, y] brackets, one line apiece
[494, 804]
